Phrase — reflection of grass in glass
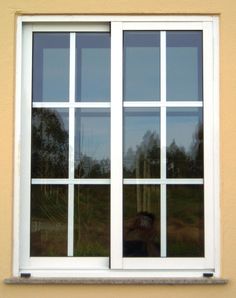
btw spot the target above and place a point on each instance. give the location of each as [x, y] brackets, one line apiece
[141, 222]
[185, 217]
[48, 220]
[92, 224]
[94, 249]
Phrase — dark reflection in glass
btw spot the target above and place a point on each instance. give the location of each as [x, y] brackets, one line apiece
[185, 221]
[184, 65]
[184, 143]
[93, 66]
[48, 220]
[49, 156]
[141, 143]
[141, 65]
[51, 66]
[92, 143]
[141, 221]
[92, 221]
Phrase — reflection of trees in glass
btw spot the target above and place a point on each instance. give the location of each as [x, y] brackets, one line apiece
[92, 168]
[49, 144]
[182, 164]
[144, 162]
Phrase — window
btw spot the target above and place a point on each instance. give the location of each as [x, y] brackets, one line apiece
[117, 135]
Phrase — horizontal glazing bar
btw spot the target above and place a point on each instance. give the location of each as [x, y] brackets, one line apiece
[141, 104]
[163, 181]
[71, 181]
[71, 105]
[107, 181]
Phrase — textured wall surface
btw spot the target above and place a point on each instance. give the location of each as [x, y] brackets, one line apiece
[226, 10]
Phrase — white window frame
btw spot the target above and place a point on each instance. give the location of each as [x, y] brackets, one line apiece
[118, 266]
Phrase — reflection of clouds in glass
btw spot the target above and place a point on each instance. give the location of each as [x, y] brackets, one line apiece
[142, 73]
[184, 65]
[55, 73]
[95, 74]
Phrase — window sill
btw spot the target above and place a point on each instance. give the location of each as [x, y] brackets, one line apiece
[117, 281]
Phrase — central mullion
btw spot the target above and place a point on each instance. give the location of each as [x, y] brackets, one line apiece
[163, 215]
[116, 147]
[71, 170]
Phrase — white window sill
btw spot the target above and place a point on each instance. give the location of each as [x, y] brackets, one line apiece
[117, 281]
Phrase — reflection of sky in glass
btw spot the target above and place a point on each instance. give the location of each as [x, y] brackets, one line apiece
[141, 65]
[137, 122]
[182, 124]
[55, 74]
[51, 67]
[184, 65]
[92, 133]
[93, 67]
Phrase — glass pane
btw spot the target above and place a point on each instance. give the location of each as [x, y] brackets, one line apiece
[51, 66]
[184, 143]
[141, 221]
[92, 143]
[93, 66]
[184, 65]
[92, 221]
[141, 65]
[48, 220]
[185, 221]
[141, 143]
[49, 156]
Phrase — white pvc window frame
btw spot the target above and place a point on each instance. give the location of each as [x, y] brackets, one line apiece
[117, 265]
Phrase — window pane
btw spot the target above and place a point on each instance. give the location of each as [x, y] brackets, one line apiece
[141, 65]
[51, 66]
[184, 65]
[48, 220]
[141, 143]
[184, 143]
[93, 66]
[185, 221]
[92, 220]
[141, 221]
[49, 157]
[92, 143]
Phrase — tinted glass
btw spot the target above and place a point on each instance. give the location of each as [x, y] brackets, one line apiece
[141, 143]
[184, 143]
[92, 220]
[51, 66]
[141, 65]
[48, 220]
[185, 221]
[49, 153]
[184, 65]
[141, 221]
[93, 66]
[92, 143]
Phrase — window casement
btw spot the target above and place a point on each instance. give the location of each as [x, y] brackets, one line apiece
[116, 171]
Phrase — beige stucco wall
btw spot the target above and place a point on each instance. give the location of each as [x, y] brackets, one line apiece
[226, 9]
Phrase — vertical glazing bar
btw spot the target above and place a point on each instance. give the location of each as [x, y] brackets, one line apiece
[163, 144]
[116, 146]
[70, 243]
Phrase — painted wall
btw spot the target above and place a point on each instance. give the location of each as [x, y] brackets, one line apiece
[226, 9]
